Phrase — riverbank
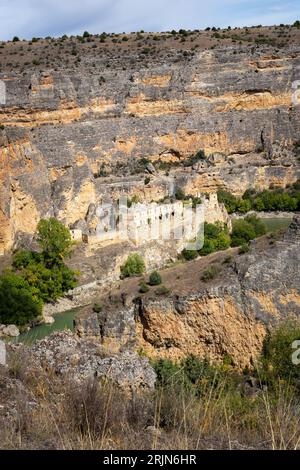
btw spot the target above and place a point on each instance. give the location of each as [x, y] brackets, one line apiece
[266, 215]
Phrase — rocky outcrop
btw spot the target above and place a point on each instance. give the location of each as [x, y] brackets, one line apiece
[66, 354]
[70, 140]
[227, 317]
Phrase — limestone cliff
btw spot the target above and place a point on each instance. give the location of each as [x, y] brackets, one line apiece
[68, 140]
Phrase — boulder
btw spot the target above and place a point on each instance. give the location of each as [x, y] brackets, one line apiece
[11, 330]
[150, 168]
[48, 320]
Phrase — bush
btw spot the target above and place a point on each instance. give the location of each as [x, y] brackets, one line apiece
[179, 194]
[155, 279]
[189, 254]
[244, 248]
[19, 302]
[162, 290]
[276, 360]
[134, 266]
[210, 273]
[268, 200]
[143, 288]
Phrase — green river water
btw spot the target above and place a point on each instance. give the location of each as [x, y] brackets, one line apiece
[63, 321]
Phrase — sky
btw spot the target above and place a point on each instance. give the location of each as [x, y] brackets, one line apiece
[41, 18]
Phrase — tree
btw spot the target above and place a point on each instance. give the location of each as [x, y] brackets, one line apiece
[16, 39]
[86, 34]
[228, 200]
[155, 279]
[50, 284]
[242, 232]
[46, 271]
[19, 302]
[258, 225]
[54, 239]
[134, 266]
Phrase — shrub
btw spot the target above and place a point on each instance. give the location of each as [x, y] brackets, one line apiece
[179, 194]
[19, 302]
[97, 308]
[244, 248]
[143, 288]
[162, 290]
[276, 360]
[210, 273]
[155, 279]
[147, 180]
[189, 254]
[166, 372]
[134, 266]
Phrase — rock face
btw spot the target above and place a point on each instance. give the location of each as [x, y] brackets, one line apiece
[67, 354]
[9, 330]
[230, 316]
[2, 353]
[70, 140]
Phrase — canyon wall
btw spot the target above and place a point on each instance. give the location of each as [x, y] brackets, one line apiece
[70, 140]
[228, 316]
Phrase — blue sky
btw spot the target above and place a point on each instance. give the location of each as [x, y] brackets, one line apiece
[28, 18]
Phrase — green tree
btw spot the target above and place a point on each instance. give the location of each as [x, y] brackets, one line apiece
[134, 266]
[19, 302]
[46, 271]
[155, 279]
[54, 239]
[258, 225]
[242, 232]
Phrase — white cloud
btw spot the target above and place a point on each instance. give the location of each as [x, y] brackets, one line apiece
[28, 18]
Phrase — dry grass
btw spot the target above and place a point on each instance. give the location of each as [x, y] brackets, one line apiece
[42, 411]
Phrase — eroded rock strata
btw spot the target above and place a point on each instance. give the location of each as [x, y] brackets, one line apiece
[69, 140]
